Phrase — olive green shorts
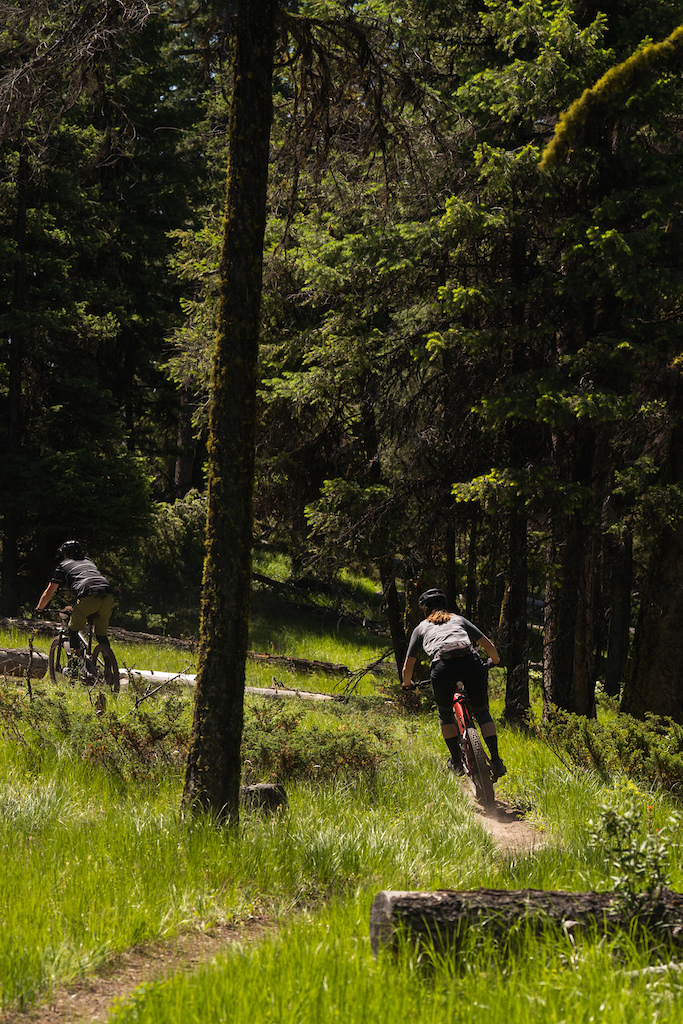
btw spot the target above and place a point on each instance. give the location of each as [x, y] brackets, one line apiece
[100, 607]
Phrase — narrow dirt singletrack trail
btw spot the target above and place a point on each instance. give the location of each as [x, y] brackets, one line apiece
[91, 999]
[509, 830]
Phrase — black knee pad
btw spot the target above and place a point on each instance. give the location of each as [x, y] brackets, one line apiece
[446, 716]
[482, 715]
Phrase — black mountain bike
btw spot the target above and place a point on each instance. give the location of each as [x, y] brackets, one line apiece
[478, 771]
[91, 666]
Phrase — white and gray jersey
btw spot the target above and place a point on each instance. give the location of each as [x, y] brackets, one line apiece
[429, 636]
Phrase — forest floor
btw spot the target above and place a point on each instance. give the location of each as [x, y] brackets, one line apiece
[91, 999]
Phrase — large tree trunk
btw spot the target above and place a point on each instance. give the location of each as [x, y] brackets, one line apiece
[11, 484]
[437, 918]
[515, 651]
[655, 682]
[619, 559]
[187, 446]
[396, 627]
[471, 585]
[212, 778]
[570, 621]
[560, 613]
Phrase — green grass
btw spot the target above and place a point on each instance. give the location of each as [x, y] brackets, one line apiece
[98, 860]
[319, 968]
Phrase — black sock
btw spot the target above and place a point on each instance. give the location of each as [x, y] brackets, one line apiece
[492, 744]
[453, 744]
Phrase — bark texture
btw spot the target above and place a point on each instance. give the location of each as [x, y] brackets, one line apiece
[212, 778]
[436, 918]
[655, 683]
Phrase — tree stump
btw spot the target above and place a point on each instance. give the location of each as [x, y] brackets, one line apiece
[437, 918]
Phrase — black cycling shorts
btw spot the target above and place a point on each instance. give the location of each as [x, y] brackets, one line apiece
[472, 674]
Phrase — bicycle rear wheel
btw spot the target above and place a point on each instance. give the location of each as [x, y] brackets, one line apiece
[478, 770]
[58, 664]
[105, 668]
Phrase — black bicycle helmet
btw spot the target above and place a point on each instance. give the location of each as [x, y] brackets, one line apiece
[432, 599]
[70, 549]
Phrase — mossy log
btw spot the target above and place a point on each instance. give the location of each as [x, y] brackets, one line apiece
[16, 663]
[437, 918]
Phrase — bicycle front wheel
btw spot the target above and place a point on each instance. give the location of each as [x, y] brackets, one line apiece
[105, 668]
[478, 770]
[58, 664]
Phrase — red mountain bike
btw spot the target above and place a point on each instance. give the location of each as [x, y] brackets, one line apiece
[477, 766]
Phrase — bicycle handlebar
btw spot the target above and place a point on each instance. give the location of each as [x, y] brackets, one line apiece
[418, 684]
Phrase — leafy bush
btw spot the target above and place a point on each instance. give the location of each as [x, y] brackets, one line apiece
[650, 750]
[138, 743]
[638, 854]
[133, 745]
[281, 743]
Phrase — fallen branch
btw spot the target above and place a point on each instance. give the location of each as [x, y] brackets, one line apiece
[437, 918]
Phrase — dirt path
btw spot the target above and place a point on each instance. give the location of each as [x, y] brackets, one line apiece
[90, 999]
[510, 831]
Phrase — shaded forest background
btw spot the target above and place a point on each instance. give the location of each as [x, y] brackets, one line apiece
[470, 367]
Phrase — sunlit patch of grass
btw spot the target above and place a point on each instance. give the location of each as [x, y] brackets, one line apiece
[320, 968]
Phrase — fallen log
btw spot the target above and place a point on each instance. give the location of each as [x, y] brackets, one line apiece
[48, 627]
[160, 678]
[300, 664]
[16, 663]
[437, 918]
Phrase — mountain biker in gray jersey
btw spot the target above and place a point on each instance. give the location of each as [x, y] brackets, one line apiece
[449, 641]
[94, 595]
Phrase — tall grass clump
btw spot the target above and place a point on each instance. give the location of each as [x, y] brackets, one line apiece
[320, 968]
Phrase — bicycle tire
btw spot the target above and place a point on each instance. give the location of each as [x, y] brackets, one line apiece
[58, 663]
[105, 667]
[478, 770]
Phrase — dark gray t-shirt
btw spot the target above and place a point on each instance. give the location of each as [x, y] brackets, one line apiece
[430, 637]
[82, 576]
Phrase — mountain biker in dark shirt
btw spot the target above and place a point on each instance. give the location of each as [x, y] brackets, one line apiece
[94, 595]
[439, 631]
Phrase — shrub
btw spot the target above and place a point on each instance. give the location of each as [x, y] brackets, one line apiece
[649, 750]
[281, 743]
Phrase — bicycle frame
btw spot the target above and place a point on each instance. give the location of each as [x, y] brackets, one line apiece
[92, 665]
[475, 761]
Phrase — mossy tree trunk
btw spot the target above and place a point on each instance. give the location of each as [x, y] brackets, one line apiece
[212, 778]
